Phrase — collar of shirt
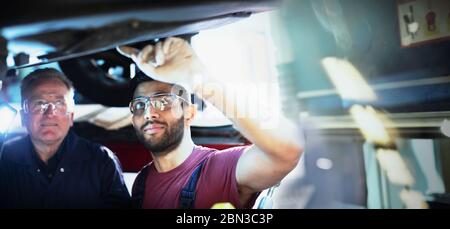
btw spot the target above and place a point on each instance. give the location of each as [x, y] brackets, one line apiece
[73, 151]
[49, 169]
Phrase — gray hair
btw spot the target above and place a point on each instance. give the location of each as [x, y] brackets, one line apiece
[31, 80]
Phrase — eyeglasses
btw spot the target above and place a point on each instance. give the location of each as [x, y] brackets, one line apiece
[40, 106]
[161, 102]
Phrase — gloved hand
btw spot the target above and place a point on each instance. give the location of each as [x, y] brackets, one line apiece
[172, 61]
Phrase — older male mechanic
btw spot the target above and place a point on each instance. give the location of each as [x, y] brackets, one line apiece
[52, 167]
[185, 175]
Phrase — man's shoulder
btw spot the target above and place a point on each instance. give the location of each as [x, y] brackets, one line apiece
[144, 171]
[16, 141]
[220, 149]
[91, 148]
[229, 152]
[139, 181]
[15, 148]
[222, 157]
[81, 141]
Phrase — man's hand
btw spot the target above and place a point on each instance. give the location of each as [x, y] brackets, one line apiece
[276, 150]
[172, 61]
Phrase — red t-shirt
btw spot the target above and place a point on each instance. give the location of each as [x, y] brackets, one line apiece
[217, 181]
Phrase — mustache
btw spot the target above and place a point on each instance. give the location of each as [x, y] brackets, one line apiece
[150, 123]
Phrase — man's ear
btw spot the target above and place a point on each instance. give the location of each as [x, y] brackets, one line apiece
[127, 51]
[23, 118]
[189, 114]
[71, 119]
[132, 121]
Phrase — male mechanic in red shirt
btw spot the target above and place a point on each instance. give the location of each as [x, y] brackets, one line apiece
[185, 175]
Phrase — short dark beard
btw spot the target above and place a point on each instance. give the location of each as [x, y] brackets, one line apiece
[170, 140]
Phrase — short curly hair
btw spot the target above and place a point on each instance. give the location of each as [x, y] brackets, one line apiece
[141, 78]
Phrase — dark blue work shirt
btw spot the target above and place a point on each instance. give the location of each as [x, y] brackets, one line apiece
[88, 175]
[50, 169]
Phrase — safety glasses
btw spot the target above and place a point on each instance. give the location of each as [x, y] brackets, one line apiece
[159, 102]
[40, 106]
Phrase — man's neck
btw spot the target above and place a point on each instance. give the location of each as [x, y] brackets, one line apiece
[176, 157]
[46, 151]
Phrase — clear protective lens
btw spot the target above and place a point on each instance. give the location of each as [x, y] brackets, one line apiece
[159, 102]
[40, 106]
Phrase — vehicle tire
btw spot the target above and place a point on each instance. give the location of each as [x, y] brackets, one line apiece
[102, 77]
